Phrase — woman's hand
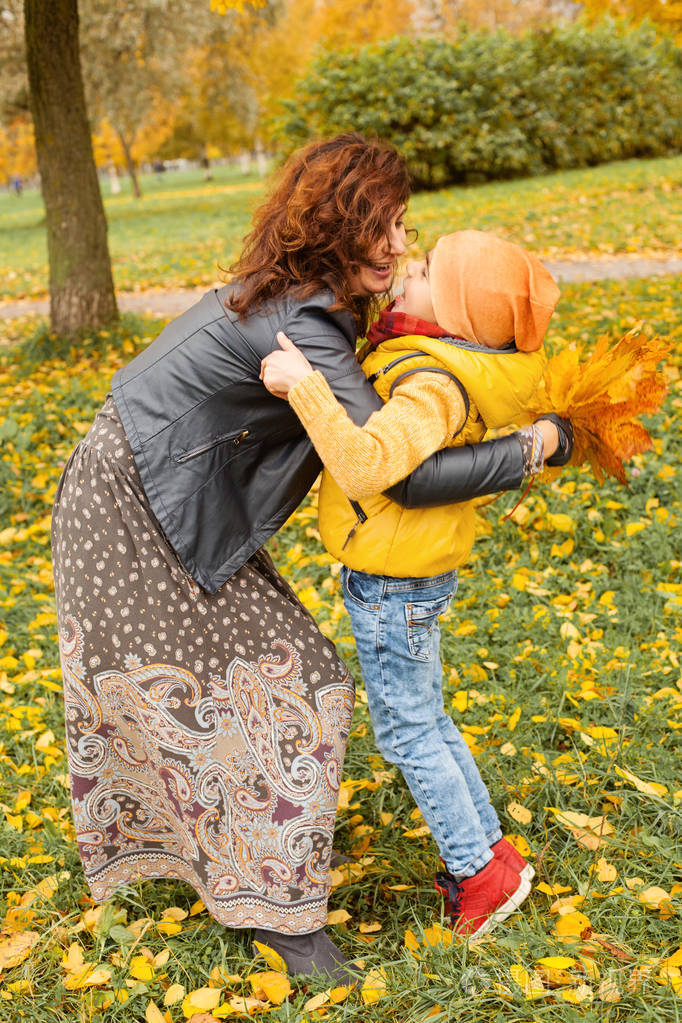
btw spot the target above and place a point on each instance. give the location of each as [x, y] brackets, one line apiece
[279, 371]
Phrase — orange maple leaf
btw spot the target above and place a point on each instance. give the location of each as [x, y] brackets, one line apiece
[603, 394]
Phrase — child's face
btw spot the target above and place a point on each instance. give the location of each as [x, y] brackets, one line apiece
[416, 297]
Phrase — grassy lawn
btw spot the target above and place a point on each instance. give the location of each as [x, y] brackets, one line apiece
[184, 229]
[562, 667]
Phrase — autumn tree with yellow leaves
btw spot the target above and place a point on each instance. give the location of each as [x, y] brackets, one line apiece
[665, 14]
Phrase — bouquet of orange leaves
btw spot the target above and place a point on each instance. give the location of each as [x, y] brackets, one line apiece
[602, 394]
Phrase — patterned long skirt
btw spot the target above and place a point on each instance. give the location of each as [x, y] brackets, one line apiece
[205, 733]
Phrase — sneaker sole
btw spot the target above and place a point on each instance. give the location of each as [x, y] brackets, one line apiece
[513, 903]
[528, 872]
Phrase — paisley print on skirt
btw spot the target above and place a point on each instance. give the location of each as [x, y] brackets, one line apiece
[205, 733]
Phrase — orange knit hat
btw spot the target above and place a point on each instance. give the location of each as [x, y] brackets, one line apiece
[490, 291]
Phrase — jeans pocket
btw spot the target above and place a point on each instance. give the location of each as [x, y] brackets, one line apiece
[422, 619]
[353, 589]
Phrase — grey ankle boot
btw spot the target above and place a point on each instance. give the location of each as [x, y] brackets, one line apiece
[311, 954]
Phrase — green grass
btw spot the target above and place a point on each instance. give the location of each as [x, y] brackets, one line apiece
[184, 229]
[621, 594]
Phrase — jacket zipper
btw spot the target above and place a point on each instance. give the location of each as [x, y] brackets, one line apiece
[236, 439]
[361, 518]
[390, 365]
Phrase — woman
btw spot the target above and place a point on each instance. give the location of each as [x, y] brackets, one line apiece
[206, 715]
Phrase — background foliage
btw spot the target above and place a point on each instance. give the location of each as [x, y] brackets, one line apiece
[491, 105]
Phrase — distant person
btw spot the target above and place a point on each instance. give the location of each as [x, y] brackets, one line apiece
[459, 352]
[206, 714]
[17, 186]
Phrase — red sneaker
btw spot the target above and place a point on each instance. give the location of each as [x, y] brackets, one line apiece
[512, 858]
[477, 903]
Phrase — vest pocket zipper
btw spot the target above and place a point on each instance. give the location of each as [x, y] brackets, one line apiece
[236, 438]
[361, 517]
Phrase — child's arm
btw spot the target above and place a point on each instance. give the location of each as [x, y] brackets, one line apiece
[424, 413]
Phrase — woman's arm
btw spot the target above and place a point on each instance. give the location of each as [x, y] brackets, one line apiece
[424, 413]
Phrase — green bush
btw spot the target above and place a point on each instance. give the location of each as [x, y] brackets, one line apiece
[494, 106]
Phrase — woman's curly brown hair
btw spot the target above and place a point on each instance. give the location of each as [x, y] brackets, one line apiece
[331, 204]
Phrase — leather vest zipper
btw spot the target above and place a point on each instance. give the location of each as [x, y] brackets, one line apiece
[195, 452]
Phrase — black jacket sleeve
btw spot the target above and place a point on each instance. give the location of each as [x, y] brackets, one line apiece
[449, 475]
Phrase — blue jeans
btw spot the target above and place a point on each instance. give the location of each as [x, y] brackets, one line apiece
[395, 624]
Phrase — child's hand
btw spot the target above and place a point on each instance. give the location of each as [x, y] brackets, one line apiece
[557, 435]
[279, 371]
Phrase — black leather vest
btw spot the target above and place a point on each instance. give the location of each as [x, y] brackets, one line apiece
[224, 463]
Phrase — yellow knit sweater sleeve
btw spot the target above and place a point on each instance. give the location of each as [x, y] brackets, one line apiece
[421, 417]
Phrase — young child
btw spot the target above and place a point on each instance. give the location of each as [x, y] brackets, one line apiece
[459, 352]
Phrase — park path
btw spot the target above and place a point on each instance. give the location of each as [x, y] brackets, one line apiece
[170, 303]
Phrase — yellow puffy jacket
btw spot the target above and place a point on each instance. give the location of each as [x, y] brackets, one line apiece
[405, 542]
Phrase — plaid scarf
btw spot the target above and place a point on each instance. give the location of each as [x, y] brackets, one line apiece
[397, 324]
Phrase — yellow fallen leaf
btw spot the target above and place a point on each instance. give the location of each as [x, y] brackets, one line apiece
[174, 913]
[90, 976]
[317, 1001]
[272, 958]
[140, 968]
[555, 977]
[552, 889]
[270, 986]
[175, 993]
[369, 928]
[675, 959]
[15, 948]
[168, 927]
[520, 844]
[566, 904]
[647, 788]
[519, 813]
[514, 719]
[338, 916]
[561, 522]
[437, 935]
[244, 1005]
[577, 995]
[573, 925]
[412, 943]
[557, 962]
[153, 1014]
[373, 986]
[590, 967]
[219, 977]
[204, 998]
[81, 974]
[530, 983]
[418, 832]
[591, 832]
[47, 887]
[609, 990]
[657, 899]
[605, 871]
[339, 994]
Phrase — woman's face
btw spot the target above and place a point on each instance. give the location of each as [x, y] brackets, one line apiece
[376, 275]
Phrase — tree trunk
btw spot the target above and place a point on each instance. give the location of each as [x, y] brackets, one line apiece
[130, 164]
[81, 284]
